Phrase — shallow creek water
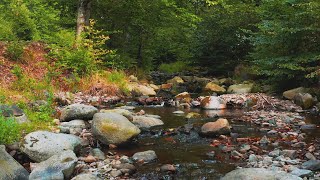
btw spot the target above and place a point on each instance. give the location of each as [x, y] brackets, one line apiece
[189, 152]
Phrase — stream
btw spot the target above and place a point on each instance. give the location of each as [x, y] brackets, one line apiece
[190, 153]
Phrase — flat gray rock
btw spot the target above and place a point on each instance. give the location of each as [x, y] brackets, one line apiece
[146, 122]
[41, 145]
[258, 174]
[146, 156]
[301, 172]
[78, 111]
[86, 177]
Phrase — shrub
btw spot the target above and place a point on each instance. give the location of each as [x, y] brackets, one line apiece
[84, 57]
[6, 32]
[174, 67]
[15, 50]
[9, 131]
[104, 82]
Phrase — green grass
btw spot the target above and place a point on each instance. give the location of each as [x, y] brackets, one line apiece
[175, 67]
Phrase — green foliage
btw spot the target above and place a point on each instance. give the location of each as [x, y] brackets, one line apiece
[222, 36]
[175, 67]
[119, 78]
[6, 27]
[27, 20]
[42, 114]
[279, 37]
[40, 118]
[15, 50]
[30, 87]
[287, 43]
[149, 32]
[81, 58]
[18, 72]
[116, 76]
[9, 131]
[77, 60]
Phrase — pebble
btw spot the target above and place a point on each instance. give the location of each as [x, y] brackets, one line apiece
[272, 133]
[274, 153]
[178, 112]
[89, 159]
[299, 145]
[289, 153]
[264, 140]
[244, 148]
[115, 173]
[168, 167]
[310, 156]
[308, 127]
[267, 160]
[96, 152]
[236, 154]
[253, 158]
[125, 159]
[211, 154]
[311, 148]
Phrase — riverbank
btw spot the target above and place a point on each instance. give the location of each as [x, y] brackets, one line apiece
[162, 131]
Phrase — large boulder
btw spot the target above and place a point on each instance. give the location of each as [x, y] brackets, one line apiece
[212, 87]
[138, 89]
[41, 145]
[144, 122]
[240, 88]
[221, 126]
[124, 112]
[145, 156]
[259, 173]
[59, 166]
[305, 100]
[10, 168]
[113, 128]
[213, 102]
[290, 94]
[78, 111]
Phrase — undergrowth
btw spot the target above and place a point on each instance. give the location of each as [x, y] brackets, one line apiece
[174, 67]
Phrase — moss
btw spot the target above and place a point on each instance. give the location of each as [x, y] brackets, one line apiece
[109, 128]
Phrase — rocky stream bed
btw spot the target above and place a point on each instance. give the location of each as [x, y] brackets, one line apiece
[231, 136]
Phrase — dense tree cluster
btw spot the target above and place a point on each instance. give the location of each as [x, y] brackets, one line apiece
[277, 39]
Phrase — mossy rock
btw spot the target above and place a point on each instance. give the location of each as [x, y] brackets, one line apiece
[113, 128]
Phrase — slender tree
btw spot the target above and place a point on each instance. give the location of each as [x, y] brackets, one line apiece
[84, 11]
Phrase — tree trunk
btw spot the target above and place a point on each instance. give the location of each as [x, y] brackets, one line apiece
[139, 55]
[84, 10]
[88, 13]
